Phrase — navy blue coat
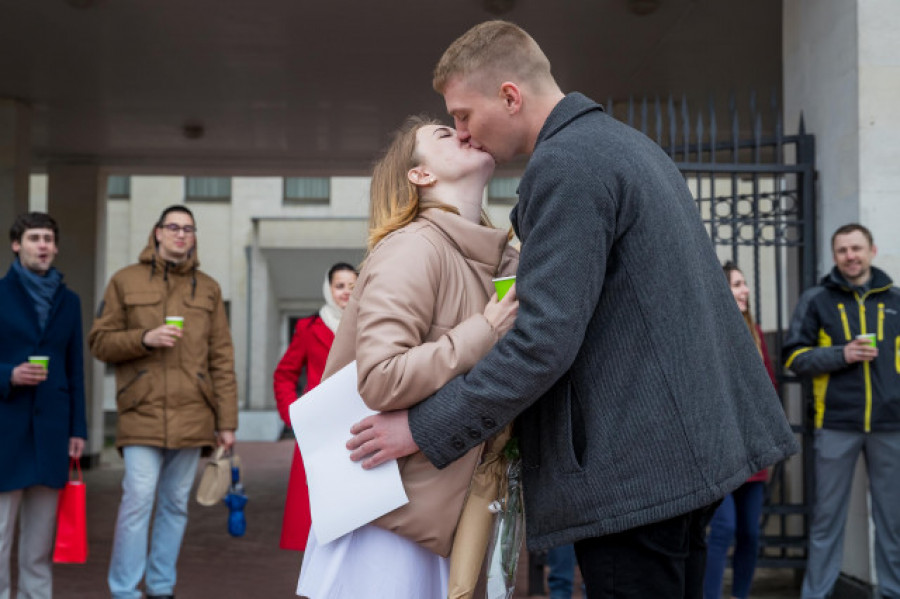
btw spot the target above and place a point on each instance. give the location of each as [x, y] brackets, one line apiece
[37, 422]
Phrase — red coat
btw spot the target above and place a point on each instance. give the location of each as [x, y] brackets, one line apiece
[763, 475]
[309, 348]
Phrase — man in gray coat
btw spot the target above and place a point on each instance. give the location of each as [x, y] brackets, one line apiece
[639, 395]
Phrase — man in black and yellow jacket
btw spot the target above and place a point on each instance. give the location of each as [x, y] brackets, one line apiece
[845, 333]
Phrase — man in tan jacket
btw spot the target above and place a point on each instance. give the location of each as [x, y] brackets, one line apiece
[175, 393]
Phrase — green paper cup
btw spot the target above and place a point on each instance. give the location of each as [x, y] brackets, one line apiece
[42, 360]
[177, 321]
[502, 285]
[870, 337]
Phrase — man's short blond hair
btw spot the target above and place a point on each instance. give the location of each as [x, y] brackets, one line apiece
[495, 51]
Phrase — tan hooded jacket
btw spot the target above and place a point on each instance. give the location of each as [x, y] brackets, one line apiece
[167, 397]
[414, 322]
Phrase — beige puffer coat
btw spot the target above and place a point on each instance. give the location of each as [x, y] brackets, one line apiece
[414, 322]
[167, 397]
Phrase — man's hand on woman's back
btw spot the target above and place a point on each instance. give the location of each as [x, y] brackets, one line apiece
[381, 437]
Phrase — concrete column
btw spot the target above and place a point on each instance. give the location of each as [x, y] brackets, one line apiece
[15, 165]
[263, 313]
[76, 199]
[842, 71]
[251, 197]
[879, 127]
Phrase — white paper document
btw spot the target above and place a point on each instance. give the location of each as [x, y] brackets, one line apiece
[342, 496]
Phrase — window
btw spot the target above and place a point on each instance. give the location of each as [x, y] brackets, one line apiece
[207, 189]
[307, 190]
[502, 190]
[118, 187]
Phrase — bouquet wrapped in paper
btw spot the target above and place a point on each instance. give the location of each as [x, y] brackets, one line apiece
[478, 523]
[509, 528]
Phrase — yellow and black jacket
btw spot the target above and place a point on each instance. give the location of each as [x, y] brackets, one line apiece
[864, 396]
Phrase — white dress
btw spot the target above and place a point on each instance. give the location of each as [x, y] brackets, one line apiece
[373, 563]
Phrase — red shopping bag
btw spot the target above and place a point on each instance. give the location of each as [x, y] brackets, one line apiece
[71, 522]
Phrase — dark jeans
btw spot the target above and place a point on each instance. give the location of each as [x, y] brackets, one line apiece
[660, 560]
[737, 519]
[561, 574]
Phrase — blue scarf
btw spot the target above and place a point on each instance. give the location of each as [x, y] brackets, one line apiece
[40, 288]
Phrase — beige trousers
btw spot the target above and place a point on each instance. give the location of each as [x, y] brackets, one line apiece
[36, 510]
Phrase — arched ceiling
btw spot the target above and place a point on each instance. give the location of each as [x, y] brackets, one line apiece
[315, 86]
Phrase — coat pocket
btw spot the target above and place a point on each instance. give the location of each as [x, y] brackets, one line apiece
[133, 392]
[561, 428]
[206, 391]
[143, 309]
[198, 315]
[201, 302]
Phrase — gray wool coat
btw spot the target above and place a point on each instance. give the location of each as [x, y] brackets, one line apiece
[639, 392]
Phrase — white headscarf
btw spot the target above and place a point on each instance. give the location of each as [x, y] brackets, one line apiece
[330, 312]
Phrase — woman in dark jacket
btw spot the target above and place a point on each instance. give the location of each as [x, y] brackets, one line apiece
[309, 348]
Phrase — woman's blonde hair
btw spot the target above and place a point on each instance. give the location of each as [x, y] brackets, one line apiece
[394, 201]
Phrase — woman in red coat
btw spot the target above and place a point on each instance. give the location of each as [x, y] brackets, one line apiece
[309, 348]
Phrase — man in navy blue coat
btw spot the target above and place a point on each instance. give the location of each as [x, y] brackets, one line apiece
[42, 417]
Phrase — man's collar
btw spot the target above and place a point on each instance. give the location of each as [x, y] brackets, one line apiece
[572, 106]
[878, 279]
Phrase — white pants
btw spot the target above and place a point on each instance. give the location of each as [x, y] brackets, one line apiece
[36, 510]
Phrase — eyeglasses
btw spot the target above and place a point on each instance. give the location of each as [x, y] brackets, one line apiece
[174, 229]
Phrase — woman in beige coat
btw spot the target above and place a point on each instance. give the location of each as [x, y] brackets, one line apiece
[421, 314]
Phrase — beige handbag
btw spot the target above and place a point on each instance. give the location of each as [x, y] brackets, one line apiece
[216, 478]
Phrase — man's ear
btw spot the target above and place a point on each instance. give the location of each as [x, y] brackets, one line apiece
[511, 95]
[418, 175]
[16, 246]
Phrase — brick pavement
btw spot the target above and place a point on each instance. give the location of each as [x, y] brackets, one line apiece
[214, 565]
